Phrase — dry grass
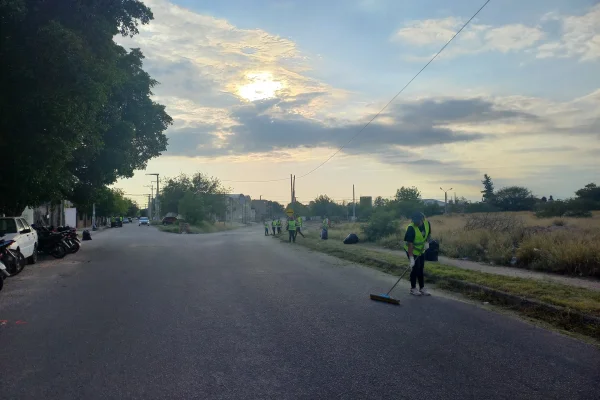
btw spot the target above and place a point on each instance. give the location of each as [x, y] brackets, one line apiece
[561, 245]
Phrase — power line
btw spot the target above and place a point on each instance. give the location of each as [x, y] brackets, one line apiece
[398, 94]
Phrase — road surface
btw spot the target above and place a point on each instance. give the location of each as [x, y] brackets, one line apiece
[141, 314]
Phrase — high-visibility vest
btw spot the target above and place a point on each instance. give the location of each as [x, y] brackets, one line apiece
[299, 221]
[419, 243]
[266, 225]
[291, 225]
[278, 222]
[273, 223]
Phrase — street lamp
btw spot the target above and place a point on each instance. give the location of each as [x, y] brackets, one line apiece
[445, 199]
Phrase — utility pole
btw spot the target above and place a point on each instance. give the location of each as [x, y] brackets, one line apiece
[353, 205]
[157, 205]
[445, 199]
[150, 201]
[94, 216]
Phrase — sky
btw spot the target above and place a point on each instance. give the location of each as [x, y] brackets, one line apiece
[261, 89]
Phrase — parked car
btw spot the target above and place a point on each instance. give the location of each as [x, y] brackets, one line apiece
[25, 237]
[169, 220]
[144, 221]
[126, 220]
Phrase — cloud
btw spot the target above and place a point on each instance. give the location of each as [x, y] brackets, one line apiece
[475, 38]
[258, 128]
[580, 36]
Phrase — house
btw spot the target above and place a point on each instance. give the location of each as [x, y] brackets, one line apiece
[239, 208]
[261, 210]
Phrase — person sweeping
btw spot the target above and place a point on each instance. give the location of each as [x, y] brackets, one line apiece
[416, 242]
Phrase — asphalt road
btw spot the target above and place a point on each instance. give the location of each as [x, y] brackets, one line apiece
[141, 314]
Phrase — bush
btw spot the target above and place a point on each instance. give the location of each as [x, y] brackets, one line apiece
[556, 208]
[561, 251]
[380, 224]
[480, 207]
[478, 244]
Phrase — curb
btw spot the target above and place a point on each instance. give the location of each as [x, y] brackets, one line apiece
[508, 298]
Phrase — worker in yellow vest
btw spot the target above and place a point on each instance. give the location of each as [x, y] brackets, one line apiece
[266, 228]
[274, 226]
[291, 228]
[278, 226]
[299, 226]
[416, 242]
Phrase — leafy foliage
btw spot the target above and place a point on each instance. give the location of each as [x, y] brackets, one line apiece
[381, 224]
[201, 196]
[408, 194]
[75, 107]
[514, 198]
[488, 189]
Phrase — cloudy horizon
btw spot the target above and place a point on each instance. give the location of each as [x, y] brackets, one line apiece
[261, 89]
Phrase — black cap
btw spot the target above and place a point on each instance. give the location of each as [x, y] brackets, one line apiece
[417, 217]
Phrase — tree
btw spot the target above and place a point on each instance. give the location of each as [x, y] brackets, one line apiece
[191, 206]
[380, 202]
[274, 208]
[208, 190]
[408, 194]
[299, 209]
[75, 108]
[589, 192]
[132, 208]
[323, 205]
[514, 198]
[488, 188]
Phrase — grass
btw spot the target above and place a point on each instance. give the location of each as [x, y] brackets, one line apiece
[559, 245]
[204, 227]
[571, 298]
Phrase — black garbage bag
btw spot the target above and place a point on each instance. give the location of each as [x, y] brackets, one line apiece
[86, 235]
[351, 239]
[433, 251]
[324, 234]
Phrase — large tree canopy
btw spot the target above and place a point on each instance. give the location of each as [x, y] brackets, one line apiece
[75, 107]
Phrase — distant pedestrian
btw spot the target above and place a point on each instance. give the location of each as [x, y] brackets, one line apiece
[266, 228]
[299, 226]
[278, 226]
[416, 242]
[274, 226]
[291, 228]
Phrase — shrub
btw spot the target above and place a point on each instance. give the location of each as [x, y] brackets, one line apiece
[480, 207]
[561, 251]
[380, 224]
[559, 222]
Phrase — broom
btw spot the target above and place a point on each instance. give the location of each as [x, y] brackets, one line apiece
[386, 297]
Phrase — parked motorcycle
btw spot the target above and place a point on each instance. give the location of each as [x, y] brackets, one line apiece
[52, 243]
[3, 274]
[13, 260]
[71, 239]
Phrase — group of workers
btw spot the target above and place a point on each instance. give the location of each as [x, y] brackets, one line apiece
[293, 226]
[416, 242]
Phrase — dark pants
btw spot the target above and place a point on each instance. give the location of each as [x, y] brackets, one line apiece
[266, 231]
[278, 230]
[274, 231]
[417, 272]
[298, 231]
[292, 236]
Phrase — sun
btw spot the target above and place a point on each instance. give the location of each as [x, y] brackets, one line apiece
[261, 87]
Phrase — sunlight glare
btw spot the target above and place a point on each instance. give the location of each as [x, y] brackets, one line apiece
[261, 87]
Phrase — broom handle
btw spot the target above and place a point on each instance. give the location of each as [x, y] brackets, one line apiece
[401, 276]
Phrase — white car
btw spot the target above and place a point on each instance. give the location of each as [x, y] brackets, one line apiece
[144, 221]
[25, 237]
